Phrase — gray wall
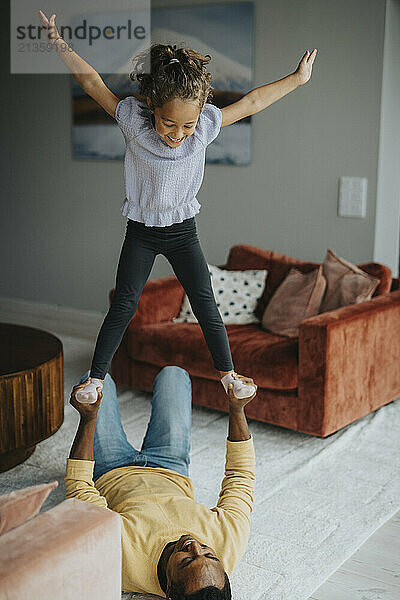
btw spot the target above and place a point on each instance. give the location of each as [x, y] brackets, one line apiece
[61, 224]
[387, 220]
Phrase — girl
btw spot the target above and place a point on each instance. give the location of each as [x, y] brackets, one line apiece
[166, 135]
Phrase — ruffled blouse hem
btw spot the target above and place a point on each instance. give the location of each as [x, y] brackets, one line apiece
[153, 218]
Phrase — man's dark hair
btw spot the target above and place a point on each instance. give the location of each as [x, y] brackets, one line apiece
[177, 592]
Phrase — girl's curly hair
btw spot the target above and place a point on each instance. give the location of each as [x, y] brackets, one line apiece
[186, 79]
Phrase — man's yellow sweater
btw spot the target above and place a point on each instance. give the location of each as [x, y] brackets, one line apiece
[157, 506]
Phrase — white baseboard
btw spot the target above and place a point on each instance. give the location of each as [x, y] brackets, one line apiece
[51, 317]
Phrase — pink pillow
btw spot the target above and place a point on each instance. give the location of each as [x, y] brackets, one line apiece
[18, 507]
[298, 297]
[346, 283]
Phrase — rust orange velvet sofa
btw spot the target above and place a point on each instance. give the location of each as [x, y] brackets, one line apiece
[343, 365]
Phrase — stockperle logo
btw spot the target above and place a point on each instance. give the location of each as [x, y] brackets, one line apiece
[106, 38]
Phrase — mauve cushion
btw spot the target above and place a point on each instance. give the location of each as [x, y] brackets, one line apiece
[18, 507]
[244, 256]
[298, 297]
[381, 272]
[346, 283]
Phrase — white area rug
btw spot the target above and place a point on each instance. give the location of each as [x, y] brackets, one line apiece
[316, 500]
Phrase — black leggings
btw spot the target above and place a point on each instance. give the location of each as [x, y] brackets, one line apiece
[180, 245]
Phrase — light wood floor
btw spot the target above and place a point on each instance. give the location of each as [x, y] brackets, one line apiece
[372, 573]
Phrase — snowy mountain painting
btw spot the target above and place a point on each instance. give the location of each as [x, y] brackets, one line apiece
[225, 32]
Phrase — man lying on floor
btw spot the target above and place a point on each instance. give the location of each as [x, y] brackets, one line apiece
[171, 545]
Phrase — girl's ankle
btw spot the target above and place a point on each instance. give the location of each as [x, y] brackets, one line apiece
[224, 373]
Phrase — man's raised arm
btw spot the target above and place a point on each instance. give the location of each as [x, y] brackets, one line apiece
[79, 474]
[237, 489]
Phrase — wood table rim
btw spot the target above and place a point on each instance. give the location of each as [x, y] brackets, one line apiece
[29, 369]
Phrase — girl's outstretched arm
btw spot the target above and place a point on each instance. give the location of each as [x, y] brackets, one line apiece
[83, 73]
[265, 95]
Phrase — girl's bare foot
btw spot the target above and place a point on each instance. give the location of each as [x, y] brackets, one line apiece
[242, 386]
[88, 394]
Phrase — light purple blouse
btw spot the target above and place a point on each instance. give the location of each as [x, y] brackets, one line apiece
[161, 182]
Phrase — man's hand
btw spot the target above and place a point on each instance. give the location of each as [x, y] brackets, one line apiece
[88, 412]
[239, 403]
[238, 429]
[82, 447]
[304, 70]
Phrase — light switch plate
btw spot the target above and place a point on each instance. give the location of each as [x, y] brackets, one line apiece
[352, 197]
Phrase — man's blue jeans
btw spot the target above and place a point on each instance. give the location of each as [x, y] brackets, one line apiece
[167, 440]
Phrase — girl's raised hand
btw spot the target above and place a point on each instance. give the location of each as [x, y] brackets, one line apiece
[49, 26]
[304, 69]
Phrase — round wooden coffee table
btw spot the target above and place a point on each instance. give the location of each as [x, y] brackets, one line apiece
[31, 391]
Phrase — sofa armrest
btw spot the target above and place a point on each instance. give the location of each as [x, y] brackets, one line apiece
[395, 284]
[161, 300]
[348, 363]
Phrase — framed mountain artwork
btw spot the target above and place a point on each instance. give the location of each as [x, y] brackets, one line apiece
[225, 32]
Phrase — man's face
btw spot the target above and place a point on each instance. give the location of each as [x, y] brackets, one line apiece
[195, 565]
[176, 120]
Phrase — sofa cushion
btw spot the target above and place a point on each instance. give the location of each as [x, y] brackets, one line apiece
[70, 552]
[381, 272]
[298, 297]
[253, 351]
[236, 294]
[244, 256]
[21, 505]
[346, 283]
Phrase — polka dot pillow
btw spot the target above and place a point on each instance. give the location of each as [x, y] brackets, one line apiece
[236, 294]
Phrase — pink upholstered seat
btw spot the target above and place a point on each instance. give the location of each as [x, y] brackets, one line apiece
[72, 551]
